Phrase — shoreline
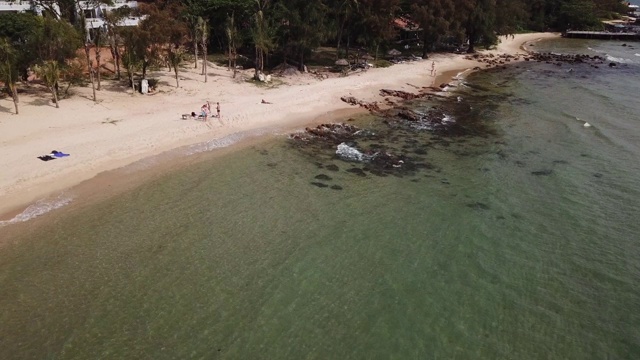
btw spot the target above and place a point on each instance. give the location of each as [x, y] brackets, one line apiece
[124, 131]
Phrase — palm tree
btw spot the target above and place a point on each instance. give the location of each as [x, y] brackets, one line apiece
[203, 31]
[176, 56]
[49, 72]
[8, 71]
[235, 41]
[263, 35]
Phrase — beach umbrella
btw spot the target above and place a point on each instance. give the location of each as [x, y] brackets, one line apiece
[394, 52]
[368, 57]
[342, 62]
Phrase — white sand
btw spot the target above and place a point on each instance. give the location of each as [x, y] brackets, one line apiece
[145, 125]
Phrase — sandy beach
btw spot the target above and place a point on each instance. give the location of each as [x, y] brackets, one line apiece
[121, 129]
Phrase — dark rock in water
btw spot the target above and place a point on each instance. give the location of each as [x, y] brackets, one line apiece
[323, 177]
[409, 115]
[478, 206]
[598, 175]
[336, 187]
[328, 133]
[402, 94]
[613, 64]
[446, 182]
[624, 44]
[377, 172]
[545, 172]
[332, 167]
[319, 184]
[357, 171]
[272, 164]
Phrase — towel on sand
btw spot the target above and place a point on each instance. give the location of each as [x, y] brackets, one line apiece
[53, 155]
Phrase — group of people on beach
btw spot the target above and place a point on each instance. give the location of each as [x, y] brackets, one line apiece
[205, 112]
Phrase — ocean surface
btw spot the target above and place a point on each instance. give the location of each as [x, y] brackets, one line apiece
[509, 231]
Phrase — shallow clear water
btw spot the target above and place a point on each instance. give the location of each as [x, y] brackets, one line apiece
[475, 257]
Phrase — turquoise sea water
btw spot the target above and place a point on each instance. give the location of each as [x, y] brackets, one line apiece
[519, 240]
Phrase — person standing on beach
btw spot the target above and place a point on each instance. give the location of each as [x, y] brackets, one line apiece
[218, 109]
[433, 68]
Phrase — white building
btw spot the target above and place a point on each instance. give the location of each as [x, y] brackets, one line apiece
[93, 11]
[20, 6]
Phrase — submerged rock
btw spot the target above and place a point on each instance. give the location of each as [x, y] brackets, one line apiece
[357, 171]
[336, 187]
[545, 172]
[478, 206]
[319, 184]
[323, 177]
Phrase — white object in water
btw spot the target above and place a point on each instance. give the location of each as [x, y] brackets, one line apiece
[586, 125]
[348, 153]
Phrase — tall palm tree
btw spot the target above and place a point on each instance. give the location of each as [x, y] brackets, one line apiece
[203, 31]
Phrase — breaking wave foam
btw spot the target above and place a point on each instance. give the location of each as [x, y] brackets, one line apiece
[39, 208]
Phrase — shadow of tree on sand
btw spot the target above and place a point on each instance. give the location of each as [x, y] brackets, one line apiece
[42, 102]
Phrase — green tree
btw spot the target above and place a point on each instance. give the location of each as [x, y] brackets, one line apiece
[263, 34]
[235, 41]
[133, 55]
[304, 27]
[203, 31]
[435, 18]
[477, 20]
[9, 69]
[176, 56]
[113, 34]
[49, 72]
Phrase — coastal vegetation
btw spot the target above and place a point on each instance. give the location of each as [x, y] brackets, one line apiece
[262, 34]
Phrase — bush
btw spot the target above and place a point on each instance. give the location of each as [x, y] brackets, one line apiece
[382, 63]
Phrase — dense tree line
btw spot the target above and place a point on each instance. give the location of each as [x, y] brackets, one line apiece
[290, 30]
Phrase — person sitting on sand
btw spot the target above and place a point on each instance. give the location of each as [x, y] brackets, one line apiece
[265, 102]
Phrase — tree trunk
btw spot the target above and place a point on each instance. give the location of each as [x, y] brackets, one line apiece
[117, 59]
[14, 95]
[175, 70]
[55, 96]
[424, 46]
[340, 39]
[98, 56]
[195, 50]
[93, 83]
[302, 60]
[204, 61]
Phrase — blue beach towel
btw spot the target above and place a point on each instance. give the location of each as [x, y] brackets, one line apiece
[53, 155]
[59, 154]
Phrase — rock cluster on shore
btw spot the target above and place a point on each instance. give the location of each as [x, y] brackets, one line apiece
[493, 60]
